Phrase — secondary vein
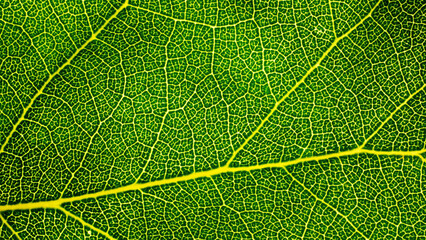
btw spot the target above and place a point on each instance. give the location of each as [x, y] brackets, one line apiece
[84, 223]
[10, 227]
[302, 80]
[40, 91]
[391, 115]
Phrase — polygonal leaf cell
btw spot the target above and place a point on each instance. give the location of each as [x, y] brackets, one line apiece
[224, 119]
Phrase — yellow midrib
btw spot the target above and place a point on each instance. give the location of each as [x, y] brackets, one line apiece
[225, 169]
[56, 204]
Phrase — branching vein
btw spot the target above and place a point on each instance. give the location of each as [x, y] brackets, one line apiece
[40, 91]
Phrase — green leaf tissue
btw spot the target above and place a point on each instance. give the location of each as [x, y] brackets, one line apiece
[212, 119]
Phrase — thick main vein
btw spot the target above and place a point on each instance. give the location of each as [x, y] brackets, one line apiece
[57, 203]
[39, 92]
[224, 169]
[302, 80]
[51, 76]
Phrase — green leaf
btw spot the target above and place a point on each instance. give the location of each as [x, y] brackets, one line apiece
[212, 119]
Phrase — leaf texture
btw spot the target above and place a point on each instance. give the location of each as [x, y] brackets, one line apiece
[212, 119]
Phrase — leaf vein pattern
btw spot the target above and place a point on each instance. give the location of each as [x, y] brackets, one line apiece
[57, 204]
[51, 76]
[327, 204]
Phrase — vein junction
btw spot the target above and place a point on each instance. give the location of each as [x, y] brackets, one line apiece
[57, 204]
[225, 169]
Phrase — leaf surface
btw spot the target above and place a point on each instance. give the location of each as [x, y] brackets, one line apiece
[212, 119]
